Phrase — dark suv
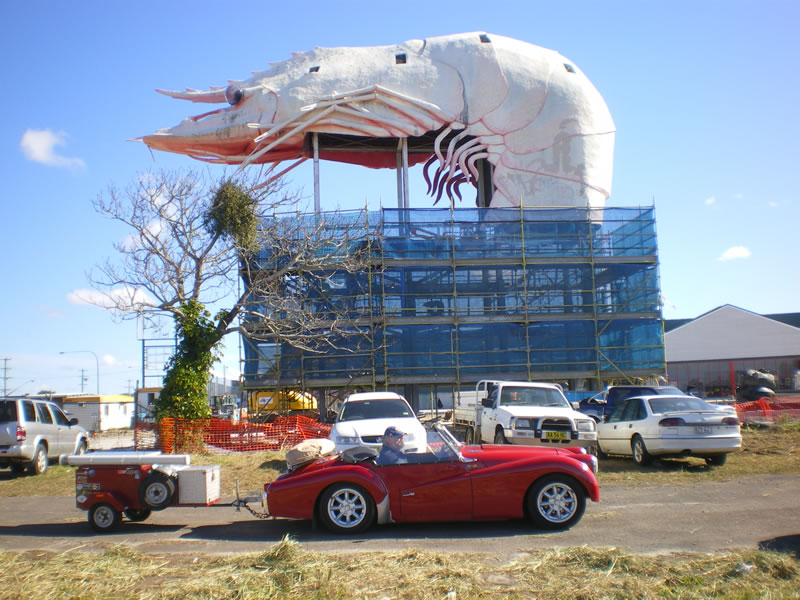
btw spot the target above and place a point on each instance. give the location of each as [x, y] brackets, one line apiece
[34, 432]
[605, 402]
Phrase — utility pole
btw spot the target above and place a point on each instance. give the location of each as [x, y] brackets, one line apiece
[5, 376]
[83, 378]
[97, 363]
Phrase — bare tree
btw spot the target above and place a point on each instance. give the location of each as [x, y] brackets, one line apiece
[193, 238]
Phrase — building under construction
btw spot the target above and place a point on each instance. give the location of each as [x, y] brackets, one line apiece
[454, 296]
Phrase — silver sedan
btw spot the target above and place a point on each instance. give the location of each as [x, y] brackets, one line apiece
[669, 426]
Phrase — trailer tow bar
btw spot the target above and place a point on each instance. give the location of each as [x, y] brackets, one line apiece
[240, 503]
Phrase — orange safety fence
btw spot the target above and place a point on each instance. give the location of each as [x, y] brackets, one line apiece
[769, 410]
[221, 435]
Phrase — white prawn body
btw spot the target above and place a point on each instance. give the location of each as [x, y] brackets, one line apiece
[527, 110]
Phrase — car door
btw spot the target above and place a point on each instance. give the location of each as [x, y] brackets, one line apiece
[632, 413]
[67, 437]
[45, 429]
[489, 414]
[612, 433]
[435, 491]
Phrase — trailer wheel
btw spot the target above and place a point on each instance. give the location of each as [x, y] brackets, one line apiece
[136, 514]
[103, 518]
[156, 491]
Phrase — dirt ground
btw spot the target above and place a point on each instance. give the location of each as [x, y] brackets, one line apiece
[748, 512]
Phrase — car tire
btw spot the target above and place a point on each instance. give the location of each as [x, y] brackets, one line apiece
[40, 462]
[500, 437]
[469, 436]
[639, 451]
[82, 447]
[156, 491]
[346, 508]
[555, 502]
[136, 514]
[717, 460]
[104, 518]
[598, 452]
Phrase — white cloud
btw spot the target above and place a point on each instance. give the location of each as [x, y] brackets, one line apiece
[710, 200]
[119, 298]
[739, 196]
[772, 204]
[39, 145]
[734, 253]
[110, 361]
[133, 241]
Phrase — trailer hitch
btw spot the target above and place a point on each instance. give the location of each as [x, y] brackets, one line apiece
[240, 503]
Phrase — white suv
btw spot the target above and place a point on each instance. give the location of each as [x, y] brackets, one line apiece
[34, 432]
[363, 418]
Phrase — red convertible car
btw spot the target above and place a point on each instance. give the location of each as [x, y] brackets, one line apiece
[349, 492]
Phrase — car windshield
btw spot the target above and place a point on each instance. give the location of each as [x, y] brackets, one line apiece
[668, 404]
[441, 447]
[520, 396]
[382, 408]
[619, 394]
[8, 411]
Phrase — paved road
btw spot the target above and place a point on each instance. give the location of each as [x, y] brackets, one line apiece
[750, 512]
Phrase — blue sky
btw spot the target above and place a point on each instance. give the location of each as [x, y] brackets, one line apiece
[704, 96]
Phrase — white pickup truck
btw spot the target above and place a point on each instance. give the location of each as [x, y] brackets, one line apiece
[521, 412]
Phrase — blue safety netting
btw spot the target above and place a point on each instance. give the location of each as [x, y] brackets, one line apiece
[467, 294]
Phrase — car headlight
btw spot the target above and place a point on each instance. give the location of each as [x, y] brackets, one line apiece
[585, 425]
[521, 424]
[346, 439]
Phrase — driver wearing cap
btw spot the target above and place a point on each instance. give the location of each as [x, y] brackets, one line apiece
[391, 451]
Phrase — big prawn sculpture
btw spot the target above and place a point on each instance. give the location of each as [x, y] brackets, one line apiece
[528, 111]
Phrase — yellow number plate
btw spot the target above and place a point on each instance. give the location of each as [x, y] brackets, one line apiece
[555, 435]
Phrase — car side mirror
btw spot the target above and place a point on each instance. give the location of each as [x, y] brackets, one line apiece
[575, 405]
[487, 403]
[73, 421]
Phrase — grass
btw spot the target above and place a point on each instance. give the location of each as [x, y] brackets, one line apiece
[286, 570]
[764, 450]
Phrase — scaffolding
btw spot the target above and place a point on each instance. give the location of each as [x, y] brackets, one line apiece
[454, 296]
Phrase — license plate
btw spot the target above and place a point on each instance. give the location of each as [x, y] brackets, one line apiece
[703, 429]
[555, 435]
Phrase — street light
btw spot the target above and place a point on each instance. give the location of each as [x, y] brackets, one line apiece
[11, 393]
[97, 361]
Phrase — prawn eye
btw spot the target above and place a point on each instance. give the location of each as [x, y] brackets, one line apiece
[233, 95]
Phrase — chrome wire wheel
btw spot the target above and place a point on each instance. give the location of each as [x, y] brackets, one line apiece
[347, 508]
[557, 502]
